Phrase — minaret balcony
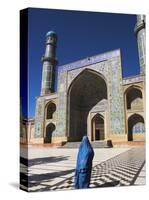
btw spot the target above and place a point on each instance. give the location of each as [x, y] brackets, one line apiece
[48, 59]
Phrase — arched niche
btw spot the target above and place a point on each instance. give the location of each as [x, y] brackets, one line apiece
[98, 132]
[50, 109]
[134, 98]
[49, 130]
[135, 126]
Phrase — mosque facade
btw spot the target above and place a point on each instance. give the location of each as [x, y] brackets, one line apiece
[92, 98]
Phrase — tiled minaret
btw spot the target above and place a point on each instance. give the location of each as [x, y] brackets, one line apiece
[140, 33]
[49, 63]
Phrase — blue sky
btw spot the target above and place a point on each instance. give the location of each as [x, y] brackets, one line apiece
[80, 35]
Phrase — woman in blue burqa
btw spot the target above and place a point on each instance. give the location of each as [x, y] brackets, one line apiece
[84, 164]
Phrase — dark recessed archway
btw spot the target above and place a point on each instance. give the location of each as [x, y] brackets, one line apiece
[49, 130]
[133, 97]
[85, 92]
[135, 126]
[51, 108]
[98, 132]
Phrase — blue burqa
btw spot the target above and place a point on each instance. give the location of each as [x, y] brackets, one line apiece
[84, 164]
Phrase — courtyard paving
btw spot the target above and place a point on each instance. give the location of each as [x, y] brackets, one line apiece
[53, 168]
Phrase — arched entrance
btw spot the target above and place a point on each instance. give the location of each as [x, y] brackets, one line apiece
[134, 98]
[88, 89]
[49, 130]
[98, 132]
[135, 127]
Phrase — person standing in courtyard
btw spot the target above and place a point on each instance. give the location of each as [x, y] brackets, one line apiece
[84, 164]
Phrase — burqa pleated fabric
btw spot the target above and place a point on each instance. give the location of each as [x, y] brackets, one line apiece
[84, 164]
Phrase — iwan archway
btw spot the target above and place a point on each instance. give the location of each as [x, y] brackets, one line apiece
[86, 91]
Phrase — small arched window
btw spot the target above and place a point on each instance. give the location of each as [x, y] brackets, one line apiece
[51, 108]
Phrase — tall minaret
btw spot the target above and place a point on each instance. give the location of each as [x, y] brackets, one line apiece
[49, 63]
[140, 33]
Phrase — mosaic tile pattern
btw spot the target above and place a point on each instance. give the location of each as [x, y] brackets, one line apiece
[116, 97]
[133, 79]
[111, 71]
[39, 118]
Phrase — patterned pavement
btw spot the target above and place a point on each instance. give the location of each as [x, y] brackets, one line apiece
[120, 170]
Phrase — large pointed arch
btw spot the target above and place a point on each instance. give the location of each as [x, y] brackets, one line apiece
[85, 91]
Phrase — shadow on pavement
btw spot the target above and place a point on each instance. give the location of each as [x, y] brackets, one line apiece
[29, 180]
[38, 161]
[32, 180]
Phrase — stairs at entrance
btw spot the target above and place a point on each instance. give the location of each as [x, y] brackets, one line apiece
[95, 144]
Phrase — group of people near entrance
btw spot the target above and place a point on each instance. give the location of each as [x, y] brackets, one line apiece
[84, 164]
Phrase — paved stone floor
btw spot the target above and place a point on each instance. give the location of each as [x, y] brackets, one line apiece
[53, 168]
